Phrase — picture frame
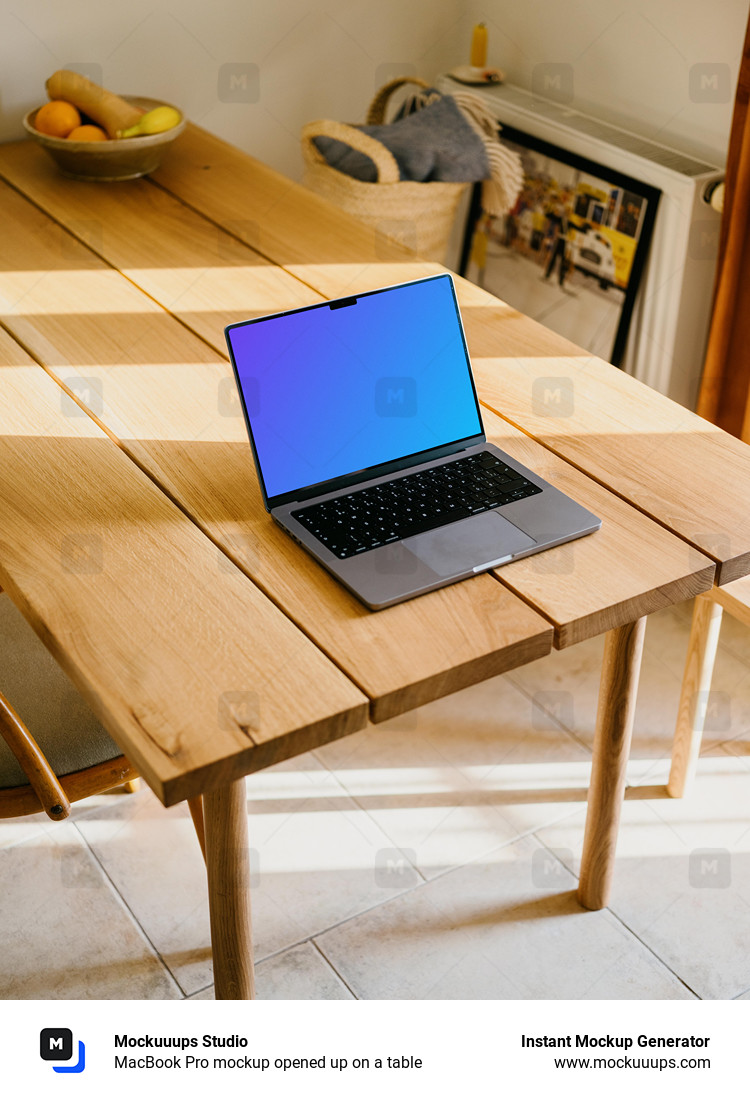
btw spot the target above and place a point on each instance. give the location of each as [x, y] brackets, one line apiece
[572, 250]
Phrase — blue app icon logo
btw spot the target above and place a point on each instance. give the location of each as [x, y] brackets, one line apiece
[56, 1045]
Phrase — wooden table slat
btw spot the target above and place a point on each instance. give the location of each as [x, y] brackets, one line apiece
[630, 568]
[192, 267]
[121, 363]
[676, 467]
[115, 579]
[205, 464]
[285, 222]
[664, 460]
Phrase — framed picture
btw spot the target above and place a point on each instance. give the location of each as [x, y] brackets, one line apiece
[571, 252]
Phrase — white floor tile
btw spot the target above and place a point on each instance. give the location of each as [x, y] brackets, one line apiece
[463, 775]
[299, 974]
[16, 830]
[397, 849]
[682, 880]
[314, 861]
[65, 933]
[499, 928]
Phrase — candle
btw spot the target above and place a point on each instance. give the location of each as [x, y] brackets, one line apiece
[479, 46]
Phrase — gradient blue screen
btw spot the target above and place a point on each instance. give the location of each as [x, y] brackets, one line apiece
[333, 391]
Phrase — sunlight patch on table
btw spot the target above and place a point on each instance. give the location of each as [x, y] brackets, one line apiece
[27, 293]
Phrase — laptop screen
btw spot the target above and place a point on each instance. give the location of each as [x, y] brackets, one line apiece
[337, 388]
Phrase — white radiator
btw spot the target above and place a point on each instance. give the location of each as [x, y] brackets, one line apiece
[668, 332]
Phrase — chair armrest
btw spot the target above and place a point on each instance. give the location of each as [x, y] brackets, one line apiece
[33, 761]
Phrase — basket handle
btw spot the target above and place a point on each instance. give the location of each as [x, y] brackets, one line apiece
[376, 113]
[385, 163]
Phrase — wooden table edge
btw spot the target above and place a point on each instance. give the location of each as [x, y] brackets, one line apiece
[519, 653]
[262, 755]
[656, 600]
[733, 569]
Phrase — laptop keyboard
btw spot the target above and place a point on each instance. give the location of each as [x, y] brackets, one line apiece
[409, 505]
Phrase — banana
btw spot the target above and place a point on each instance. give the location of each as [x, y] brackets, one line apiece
[155, 121]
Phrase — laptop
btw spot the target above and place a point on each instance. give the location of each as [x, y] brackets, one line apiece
[368, 441]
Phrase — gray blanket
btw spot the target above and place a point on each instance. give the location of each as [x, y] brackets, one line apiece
[434, 143]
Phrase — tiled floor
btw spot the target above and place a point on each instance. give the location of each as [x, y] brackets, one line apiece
[433, 857]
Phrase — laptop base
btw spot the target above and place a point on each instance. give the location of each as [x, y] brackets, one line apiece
[401, 570]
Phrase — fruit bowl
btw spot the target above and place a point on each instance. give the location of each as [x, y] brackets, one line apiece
[115, 159]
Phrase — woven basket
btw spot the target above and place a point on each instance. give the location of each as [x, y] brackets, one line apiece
[418, 215]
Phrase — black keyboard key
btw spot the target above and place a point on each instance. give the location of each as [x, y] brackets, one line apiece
[488, 459]
[413, 503]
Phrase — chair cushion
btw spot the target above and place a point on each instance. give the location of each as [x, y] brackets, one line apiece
[55, 713]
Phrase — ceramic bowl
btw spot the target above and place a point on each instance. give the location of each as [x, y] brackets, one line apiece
[115, 159]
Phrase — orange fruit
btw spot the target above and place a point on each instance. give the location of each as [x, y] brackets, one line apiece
[57, 118]
[87, 133]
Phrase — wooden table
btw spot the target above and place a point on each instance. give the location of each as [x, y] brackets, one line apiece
[135, 541]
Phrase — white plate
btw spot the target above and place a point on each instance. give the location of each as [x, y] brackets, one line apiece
[470, 74]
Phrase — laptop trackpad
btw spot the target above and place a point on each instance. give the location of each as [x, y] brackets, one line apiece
[470, 544]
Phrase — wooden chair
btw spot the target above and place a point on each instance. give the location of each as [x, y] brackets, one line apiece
[40, 788]
[696, 682]
[58, 752]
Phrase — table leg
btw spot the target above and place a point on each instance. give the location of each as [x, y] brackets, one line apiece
[696, 683]
[614, 727]
[195, 805]
[225, 812]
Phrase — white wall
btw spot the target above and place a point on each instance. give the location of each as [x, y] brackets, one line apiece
[299, 59]
[630, 62]
[626, 60]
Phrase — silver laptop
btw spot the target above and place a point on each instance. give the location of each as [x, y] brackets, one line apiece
[368, 441]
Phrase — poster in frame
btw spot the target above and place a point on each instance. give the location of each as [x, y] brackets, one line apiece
[571, 251]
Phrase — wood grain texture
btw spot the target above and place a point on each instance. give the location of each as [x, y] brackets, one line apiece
[629, 569]
[195, 805]
[696, 683]
[614, 728]
[228, 869]
[689, 475]
[288, 223]
[664, 460]
[735, 598]
[199, 272]
[197, 449]
[192, 670]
